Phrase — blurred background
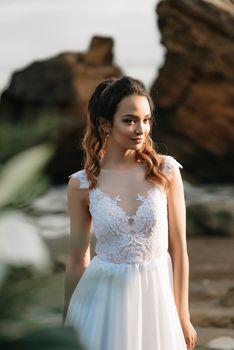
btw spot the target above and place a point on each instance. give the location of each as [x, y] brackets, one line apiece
[53, 54]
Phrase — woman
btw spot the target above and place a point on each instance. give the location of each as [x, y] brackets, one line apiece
[133, 295]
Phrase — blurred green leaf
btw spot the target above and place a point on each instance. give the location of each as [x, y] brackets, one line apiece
[18, 136]
[22, 169]
[29, 192]
[53, 338]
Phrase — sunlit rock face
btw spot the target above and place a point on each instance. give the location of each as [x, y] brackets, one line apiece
[194, 92]
[56, 92]
[61, 84]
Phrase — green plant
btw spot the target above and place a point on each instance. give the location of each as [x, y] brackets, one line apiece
[15, 137]
[51, 338]
[21, 177]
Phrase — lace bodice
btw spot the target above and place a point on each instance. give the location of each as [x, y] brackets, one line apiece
[129, 214]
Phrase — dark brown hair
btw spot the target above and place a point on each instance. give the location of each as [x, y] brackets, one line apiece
[102, 107]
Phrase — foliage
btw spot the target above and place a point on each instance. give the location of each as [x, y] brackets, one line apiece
[20, 180]
[15, 137]
[51, 338]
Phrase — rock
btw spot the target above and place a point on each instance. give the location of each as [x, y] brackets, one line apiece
[207, 334]
[50, 216]
[194, 92]
[213, 218]
[21, 245]
[54, 229]
[228, 299]
[209, 313]
[57, 90]
[53, 201]
[100, 52]
[210, 209]
[221, 343]
[205, 289]
[53, 226]
[212, 259]
[61, 84]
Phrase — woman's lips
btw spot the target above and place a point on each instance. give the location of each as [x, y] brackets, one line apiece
[137, 140]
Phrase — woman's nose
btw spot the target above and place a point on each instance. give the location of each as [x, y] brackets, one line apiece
[139, 128]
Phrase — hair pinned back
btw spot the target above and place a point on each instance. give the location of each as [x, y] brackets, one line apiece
[102, 107]
[94, 102]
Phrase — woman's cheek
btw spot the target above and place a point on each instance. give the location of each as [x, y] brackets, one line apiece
[125, 130]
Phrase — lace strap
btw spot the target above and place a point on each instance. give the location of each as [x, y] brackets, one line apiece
[169, 163]
[81, 176]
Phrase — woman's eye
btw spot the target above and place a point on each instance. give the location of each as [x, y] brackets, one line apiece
[129, 121]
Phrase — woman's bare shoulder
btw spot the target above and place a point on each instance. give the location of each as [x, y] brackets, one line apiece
[78, 186]
[169, 163]
[79, 178]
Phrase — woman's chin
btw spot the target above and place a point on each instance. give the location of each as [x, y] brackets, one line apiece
[136, 147]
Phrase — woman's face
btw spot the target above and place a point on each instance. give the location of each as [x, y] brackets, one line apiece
[131, 121]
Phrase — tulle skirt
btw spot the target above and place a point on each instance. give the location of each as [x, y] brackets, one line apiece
[126, 307]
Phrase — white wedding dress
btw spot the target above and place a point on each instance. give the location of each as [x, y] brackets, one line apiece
[124, 299]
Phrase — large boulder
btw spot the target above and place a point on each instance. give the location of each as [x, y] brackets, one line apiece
[55, 92]
[194, 92]
[61, 84]
[210, 209]
[221, 343]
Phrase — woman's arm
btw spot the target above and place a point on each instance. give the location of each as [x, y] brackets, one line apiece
[178, 244]
[79, 249]
[179, 255]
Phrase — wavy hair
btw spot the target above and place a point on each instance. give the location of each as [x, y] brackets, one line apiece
[102, 107]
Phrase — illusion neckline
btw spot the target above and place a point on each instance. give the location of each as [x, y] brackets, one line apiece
[123, 170]
[142, 198]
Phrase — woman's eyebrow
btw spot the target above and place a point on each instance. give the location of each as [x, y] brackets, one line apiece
[136, 116]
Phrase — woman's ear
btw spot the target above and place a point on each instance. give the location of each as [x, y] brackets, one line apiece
[104, 125]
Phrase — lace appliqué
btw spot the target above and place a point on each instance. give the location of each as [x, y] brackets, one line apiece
[129, 239]
[140, 238]
[81, 176]
[169, 163]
